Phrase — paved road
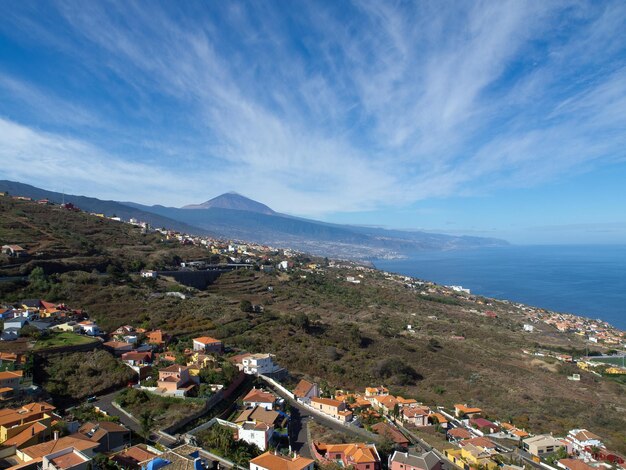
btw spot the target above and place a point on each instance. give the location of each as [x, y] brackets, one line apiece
[105, 403]
[298, 435]
[304, 412]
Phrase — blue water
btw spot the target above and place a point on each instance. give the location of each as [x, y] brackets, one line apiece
[584, 280]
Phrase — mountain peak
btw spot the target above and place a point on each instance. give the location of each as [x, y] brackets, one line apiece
[233, 201]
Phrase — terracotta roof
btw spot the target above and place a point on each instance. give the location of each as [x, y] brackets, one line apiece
[116, 344]
[302, 388]
[68, 460]
[441, 418]
[134, 455]
[11, 374]
[259, 396]
[28, 433]
[467, 409]
[77, 441]
[258, 413]
[326, 401]
[388, 401]
[575, 464]
[357, 452]
[26, 413]
[279, 462]
[100, 429]
[206, 340]
[585, 435]
[460, 433]
[479, 442]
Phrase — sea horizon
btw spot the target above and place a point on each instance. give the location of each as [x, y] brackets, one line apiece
[584, 280]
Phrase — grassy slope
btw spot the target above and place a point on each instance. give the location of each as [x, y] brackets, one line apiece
[345, 344]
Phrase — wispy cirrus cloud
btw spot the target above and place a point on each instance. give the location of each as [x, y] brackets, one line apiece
[336, 107]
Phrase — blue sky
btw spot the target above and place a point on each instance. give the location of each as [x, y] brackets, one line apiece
[500, 118]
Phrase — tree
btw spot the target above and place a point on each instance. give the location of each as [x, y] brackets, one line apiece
[29, 365]
[301, 320]
[245, 306]
[146, 421]
[38, 280]
[396, 411]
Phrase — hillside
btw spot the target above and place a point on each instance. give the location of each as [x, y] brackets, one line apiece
[98, 206]
[60, 240]
[341, 334]
[236, 217]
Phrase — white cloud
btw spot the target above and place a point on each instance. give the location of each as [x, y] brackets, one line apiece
[327, 111]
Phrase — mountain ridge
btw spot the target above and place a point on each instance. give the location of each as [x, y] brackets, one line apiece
[232, 201]
[275, 229]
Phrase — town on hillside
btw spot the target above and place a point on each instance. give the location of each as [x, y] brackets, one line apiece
[179, 401]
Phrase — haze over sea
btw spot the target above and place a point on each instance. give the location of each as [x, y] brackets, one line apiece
[584, 280]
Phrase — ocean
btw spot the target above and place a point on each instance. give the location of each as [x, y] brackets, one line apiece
[584, 280]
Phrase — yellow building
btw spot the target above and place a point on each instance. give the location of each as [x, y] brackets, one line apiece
[198, 361]
[14, 421]
[472, 457]
[615, 371]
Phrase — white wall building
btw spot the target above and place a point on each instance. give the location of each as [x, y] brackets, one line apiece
[259, 364]
[258, 434]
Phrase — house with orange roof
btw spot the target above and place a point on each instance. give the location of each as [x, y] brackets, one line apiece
[258, 397]
[358, 455]
[207, 344]
[387, 430]
[76, 441]
[412, 461]
[175, 380]
[156, 337]
[14, 420]
[135, 457]
[66, 459]
[118, 347]
[376, 391]
[464, 411]
[406, 401]
[275, 461]
[438, 418]
[480, 442]
[417, 416]
[333, 408]
[306, 390]
[11, 379]
[574, 464]
[458, 434]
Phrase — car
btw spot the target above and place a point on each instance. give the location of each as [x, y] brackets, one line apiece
[91, 399]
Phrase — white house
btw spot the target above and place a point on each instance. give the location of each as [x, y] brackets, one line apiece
[274, 461]
[258, 434]
[582, 440]
[259, 364]
[148, 274]
[66, 458]
[17, 323]
[529, 328]
[284, 265]
[306, 390]
[89, 328]
[258, 397]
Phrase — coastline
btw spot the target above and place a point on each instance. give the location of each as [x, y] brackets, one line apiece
[583, 281]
